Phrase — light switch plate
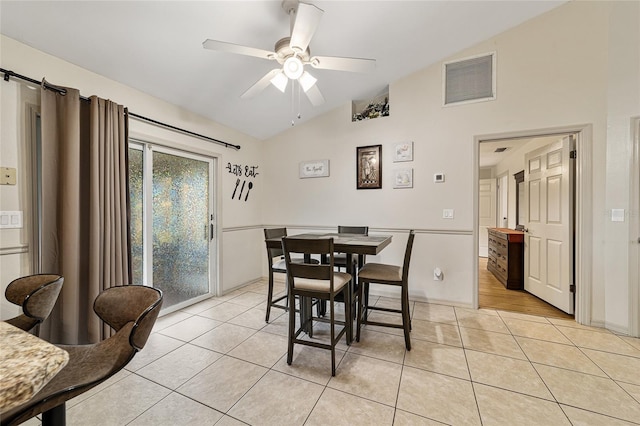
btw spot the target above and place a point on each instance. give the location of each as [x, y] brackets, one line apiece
[617, 215]
[447, 214]
[7, 176]
[10, 220]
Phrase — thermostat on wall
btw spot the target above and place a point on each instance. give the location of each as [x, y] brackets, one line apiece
[438, 177]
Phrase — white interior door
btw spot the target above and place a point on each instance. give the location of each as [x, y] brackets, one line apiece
[548, 266]
[486, 213]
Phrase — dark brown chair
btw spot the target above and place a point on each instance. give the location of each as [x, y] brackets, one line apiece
[37, 294]
[319, 281]
[379, 273]
[340, 261]
[130, 310]
[341, 258]
[276, 263]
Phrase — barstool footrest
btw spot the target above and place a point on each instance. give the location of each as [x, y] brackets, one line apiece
[382, 324]
[378, 308]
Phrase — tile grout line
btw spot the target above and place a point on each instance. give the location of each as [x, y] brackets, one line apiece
[464, 352]
[348, 351]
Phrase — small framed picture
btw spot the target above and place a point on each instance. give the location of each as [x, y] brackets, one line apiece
[369, 167]
[403, 152]
[314, 169]
[403, 178]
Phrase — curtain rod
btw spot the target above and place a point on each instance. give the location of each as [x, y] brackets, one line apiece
[8, 74]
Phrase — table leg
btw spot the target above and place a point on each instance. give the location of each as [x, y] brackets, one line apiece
[352, 267]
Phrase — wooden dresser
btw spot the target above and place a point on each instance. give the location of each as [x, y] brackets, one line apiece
[506, 257]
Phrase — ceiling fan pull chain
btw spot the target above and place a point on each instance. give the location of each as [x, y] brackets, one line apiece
[293, 90]
[299, 90]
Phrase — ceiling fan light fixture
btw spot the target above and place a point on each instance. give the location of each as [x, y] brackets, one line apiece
[280, 81]
[307, 81]
[293, 67]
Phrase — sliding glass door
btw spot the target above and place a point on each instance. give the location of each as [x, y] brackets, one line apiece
[172, 223]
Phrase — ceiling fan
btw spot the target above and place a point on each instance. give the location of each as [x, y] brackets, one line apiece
[293, 54]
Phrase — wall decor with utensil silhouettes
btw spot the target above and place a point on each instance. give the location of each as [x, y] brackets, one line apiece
[247, 172]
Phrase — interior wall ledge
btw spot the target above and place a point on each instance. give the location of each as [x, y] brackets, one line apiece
[16, 249]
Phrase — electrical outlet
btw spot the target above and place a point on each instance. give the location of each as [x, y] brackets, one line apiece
[438, 275]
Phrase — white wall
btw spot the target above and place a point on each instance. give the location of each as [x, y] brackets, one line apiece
[14, 257]
[237, 218]
[623, 102]
[551, 72]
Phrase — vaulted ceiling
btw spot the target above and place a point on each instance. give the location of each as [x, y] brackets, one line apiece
[156, 47]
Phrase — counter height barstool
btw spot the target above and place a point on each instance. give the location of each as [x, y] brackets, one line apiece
[318, 281]
[379, 273]
[131, 310]
[37, 295]
[276, 263]
[341, 258]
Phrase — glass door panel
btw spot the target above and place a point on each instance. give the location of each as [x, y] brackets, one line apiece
[180, 204]
[172, 224]
[136, 193]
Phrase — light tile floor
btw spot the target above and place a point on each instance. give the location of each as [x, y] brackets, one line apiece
[217, 362]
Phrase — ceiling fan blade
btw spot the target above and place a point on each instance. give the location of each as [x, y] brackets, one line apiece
[223, 46]
[314, 95]
[261, 84]
[343, 64]
[307, 19]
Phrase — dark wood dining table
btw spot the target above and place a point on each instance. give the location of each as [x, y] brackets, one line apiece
[350, 244]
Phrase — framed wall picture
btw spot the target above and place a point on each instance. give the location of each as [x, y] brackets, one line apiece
[369, 167]
[314, 169]
[403, 151]
[403, 178]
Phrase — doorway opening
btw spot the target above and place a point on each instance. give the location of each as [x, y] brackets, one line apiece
[492, 154]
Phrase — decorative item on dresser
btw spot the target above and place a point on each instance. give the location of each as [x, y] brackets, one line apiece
[506, 257]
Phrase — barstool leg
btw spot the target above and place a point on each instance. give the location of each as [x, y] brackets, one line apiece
[360, 303]
[270, 296]
[406, 321]
[56, 416]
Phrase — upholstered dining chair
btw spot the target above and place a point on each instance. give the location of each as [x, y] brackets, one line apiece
[37, 295]
[319, 281]
[276, 263]
[130, 310]
[379, 273]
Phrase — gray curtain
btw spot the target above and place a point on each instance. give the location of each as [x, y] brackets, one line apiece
[85, 230]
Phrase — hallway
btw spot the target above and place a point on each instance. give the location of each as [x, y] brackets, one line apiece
[493, 295]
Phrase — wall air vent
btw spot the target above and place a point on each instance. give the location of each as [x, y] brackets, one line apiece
[470, 80]
[500, 149]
